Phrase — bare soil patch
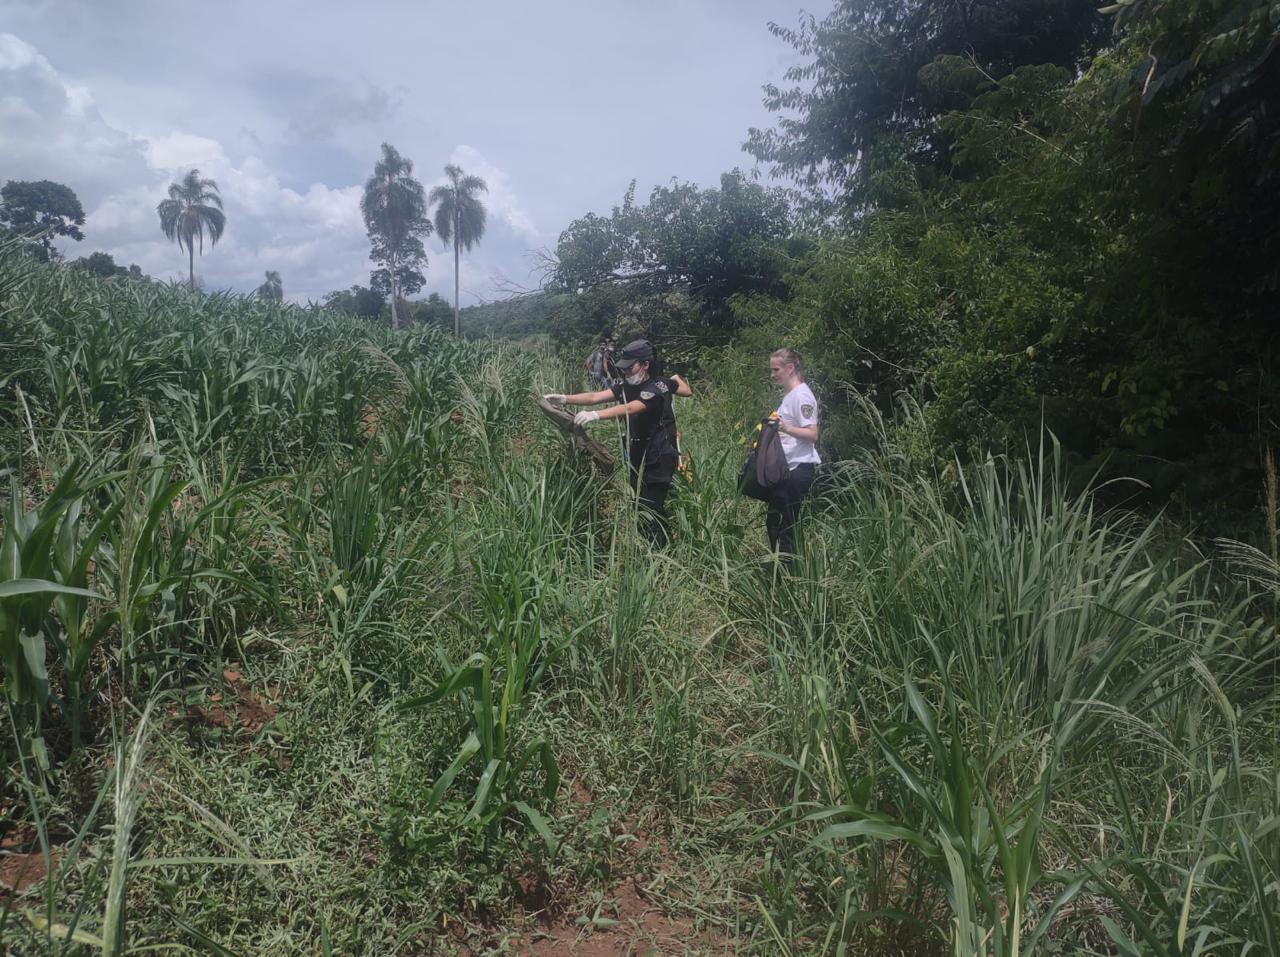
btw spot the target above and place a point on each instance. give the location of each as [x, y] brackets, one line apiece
[241, 708]
[22, 863]
[628, 920]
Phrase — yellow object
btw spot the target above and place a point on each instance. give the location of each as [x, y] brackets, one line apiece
[684, 464]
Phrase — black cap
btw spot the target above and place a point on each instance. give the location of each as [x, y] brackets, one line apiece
[641, 350]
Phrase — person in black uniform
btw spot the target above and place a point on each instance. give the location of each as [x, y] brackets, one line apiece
[652, 454]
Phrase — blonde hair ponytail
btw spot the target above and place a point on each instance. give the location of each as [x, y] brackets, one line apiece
[792, 357]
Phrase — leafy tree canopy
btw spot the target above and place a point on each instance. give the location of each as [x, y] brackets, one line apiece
[357, 301]
[104, 264]
[684, 253]
[433, 311]
[878, 69]
[395, 214]
[41, 210]
[408, 277]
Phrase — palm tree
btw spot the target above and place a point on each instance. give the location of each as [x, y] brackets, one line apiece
[460, 217]
[192, 207]
[273, 289]
[395, 212]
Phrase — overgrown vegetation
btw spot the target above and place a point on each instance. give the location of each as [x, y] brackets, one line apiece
[1021, 212]
[316, 640]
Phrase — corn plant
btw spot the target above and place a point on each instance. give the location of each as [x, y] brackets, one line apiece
[514, 625]
[361, 522]
[148, 560]
[75, 551]
[30, 556]
[986, 857]
[496, 712]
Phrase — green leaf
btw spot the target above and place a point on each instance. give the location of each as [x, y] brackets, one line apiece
[468, 676]
[33, 650]
[62, 932]
[878, 830]
[468, 750]
[541, 825]
[39, 586]
[482, 791]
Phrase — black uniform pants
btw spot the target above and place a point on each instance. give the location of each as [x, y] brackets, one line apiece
[785, 500]
[651, 487]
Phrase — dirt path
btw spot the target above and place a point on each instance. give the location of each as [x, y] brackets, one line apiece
[627, 924]
[634, 918]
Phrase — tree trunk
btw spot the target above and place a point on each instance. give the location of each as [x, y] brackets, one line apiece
[395, 320]
[457, 222]
[191, 263]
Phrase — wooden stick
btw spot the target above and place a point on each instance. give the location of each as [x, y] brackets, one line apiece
[600, 454]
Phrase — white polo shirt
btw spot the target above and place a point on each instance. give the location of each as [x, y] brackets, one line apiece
[799, 408]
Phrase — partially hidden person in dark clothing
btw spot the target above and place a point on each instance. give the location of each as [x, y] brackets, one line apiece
[599, 365]
[646, 403]
[797, 418]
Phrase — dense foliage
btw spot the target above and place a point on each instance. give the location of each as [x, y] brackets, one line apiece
[374, 634]
[316, 637]
[1021, 224]
[882, 73]
[671, 266]
[40, 212]
[104, 265]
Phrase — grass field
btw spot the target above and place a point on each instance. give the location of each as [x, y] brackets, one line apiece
[318, 640]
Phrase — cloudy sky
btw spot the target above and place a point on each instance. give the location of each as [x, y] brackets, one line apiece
[557, 105]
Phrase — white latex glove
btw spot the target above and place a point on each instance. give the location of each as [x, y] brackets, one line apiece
[584, 418]
[555, 398]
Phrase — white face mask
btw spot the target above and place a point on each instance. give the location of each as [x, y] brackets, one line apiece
[635, 378]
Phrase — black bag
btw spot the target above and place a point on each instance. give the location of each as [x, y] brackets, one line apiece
[766, 465]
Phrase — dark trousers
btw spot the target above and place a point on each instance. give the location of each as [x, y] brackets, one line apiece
[652, 493]
[784, 503]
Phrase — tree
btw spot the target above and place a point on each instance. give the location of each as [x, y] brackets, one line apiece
[40, 211]
[395, 214]
[433, 311]
[880, 72]
[104, 265]
[192, 207]
[100, 264]
[676, 261]
[357, 301]
[460, 217]
[1041, 240]
[273, 289]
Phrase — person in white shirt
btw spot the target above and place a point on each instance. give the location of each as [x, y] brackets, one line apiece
[797, 419]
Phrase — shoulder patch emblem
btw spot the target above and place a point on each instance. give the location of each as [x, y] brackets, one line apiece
[660, 386]
[646, 395]
[806, 410]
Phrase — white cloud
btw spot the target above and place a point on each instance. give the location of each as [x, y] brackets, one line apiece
[52, 130]
[177, 152]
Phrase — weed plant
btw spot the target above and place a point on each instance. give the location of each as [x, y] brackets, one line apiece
[317, 639]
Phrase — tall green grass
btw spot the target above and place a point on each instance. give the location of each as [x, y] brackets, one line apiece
[1003, 650]
[412, 660]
